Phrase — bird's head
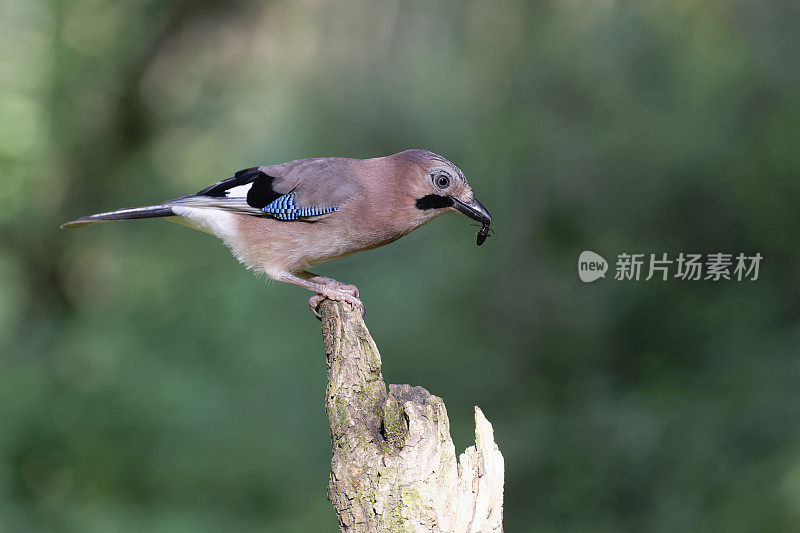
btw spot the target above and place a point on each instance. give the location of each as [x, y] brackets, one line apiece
[438, 186]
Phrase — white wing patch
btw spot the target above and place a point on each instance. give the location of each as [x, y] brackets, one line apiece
[239, 191]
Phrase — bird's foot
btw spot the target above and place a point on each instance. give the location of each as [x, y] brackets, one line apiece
[335, 284]
[338, 293]
[325, 288]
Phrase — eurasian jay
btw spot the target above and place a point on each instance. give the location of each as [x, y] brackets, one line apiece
[282, 219]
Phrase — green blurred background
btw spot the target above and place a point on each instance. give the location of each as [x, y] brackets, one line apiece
[149, 383]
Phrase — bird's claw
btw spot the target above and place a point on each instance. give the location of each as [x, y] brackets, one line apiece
[339, 295]
[349, 288]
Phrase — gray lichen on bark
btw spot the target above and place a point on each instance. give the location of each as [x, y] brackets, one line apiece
[394, 464]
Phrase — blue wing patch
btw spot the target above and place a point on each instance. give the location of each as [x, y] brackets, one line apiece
[284, 208]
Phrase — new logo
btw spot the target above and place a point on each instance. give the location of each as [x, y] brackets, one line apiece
[591, 266]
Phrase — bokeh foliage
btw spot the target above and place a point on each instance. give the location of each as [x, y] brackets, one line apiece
[149, 383]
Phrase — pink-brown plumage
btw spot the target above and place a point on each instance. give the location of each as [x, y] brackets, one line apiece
[372, 202]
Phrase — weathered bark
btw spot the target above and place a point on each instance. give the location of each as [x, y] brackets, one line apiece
[394, 464]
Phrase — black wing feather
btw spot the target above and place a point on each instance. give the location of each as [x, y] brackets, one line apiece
[261, 193]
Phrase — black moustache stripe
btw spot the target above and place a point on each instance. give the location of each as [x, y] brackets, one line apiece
[434, 201]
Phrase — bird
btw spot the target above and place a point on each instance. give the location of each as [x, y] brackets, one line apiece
[280, 220]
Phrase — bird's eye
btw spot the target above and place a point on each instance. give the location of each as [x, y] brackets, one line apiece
[442, 181]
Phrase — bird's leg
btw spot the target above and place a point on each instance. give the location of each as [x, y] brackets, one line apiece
[329, 281]
[323, 290]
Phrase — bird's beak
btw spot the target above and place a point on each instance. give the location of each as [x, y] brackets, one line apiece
[473, 210]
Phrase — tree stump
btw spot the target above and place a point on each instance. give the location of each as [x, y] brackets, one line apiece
[394, 464]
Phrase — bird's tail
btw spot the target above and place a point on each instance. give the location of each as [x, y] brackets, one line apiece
[150, 211]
